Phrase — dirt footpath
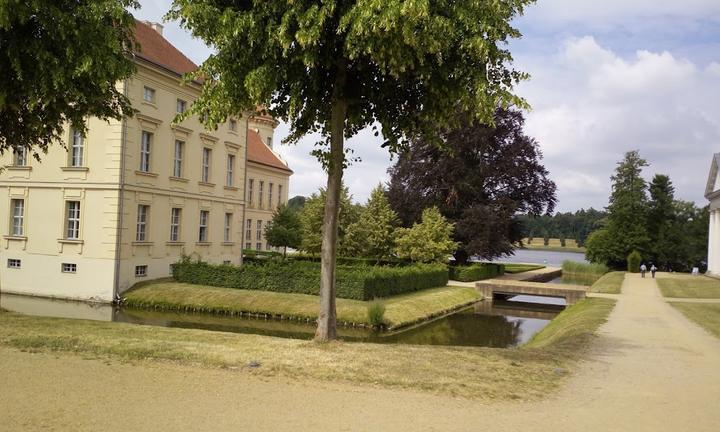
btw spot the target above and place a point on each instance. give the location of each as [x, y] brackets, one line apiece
[651, 370]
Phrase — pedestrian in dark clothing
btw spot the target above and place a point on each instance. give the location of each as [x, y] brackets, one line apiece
[653, 269]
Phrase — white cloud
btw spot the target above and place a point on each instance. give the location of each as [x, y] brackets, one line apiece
[591, 105]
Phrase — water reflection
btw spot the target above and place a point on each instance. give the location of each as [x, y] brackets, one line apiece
[497, 324]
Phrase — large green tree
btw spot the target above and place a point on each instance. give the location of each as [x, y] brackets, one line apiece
[284, 229]
[311, 219]
[429, 240]
[337, 66]
[373, 235]
[627, 214]
[61, 62]
[480, 178]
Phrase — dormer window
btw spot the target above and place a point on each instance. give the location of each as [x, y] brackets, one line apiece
[269, 141]
[20, 157]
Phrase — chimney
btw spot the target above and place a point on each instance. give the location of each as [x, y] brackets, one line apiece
[155, 26]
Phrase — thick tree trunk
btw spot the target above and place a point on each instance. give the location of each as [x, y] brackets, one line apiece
[327, 319]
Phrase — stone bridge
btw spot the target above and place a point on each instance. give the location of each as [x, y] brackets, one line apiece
[497, 288]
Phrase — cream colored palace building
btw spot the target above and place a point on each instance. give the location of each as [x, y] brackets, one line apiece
[122, 204]
[712, 193]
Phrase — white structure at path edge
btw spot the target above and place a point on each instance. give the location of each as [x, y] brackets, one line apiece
[712, 193]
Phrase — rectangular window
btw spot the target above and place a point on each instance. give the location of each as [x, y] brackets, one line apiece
[77, 149]
[270, 191]
[269, 142]
[228, 228]
[248, 245]
[260, 193]
[13, 263]
[248, 230]
[69, 268]
[258, 232]
[206, 165]
[251, 183]
[230, 170]
[203, 234]
[181, 106]
[175, 215]
[142, 222]
[149, 94]
[18, 217]
[72, 225]
[178, 158]
[280, 194]
[227, 262]
[233, 125]
[20, 157]
[258, 246]
[145, 146]
[141, 271]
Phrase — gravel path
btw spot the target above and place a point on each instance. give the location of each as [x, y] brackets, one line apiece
[650, 370]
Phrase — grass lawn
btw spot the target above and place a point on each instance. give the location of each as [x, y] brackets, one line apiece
[687, 286]
[609, 283]
[707, 315]
[400, 310]
[482, 373]
[521, 268]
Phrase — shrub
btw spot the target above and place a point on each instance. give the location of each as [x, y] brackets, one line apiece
[577, 268]
[303, 277]
[376, 313]
[475, 272]
[562, 241]
[352, 261]
[633, 262]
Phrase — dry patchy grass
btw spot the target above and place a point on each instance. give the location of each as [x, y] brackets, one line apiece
[481, 373]
[707, 315]
[609, 283]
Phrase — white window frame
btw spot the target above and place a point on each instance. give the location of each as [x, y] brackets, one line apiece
[258, 246]
[145, 150]
[175, 221]
[149, 94]
[180, 106]
[258, 232]
[20, 157]
[77, 149]
[178, 158]
[14, 263]
[233, 125]
[248, 230]
[143, 219]
[280, 187]
[206, 159]
[251, 184]
[72, 221]
[227, 233]
[203, 226]
[141, 270]
[261, 186]
[17, 217]
[68, 268]
[248, 245]
[270, 191]
[230, 180]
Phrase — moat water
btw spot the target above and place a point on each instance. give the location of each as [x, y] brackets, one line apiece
[498, 324]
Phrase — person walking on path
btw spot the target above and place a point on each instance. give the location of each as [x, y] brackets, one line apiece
[643, 269]
[653, 269]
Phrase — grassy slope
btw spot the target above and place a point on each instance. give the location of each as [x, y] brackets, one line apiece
[707, 315]
[521, 268]
[573, 329]
[687, 286]
[484, 373]
[399, 310]
[610, 283]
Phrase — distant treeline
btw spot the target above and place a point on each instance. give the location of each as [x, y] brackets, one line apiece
[576, 226]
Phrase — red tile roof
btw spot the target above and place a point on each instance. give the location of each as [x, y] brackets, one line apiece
[156, 49]
[259, 153]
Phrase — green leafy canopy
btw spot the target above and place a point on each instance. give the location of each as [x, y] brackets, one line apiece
[61, 62]
[407, 65]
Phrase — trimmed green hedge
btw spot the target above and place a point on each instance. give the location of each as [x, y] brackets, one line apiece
[353, 261]
[303, 277]
[475, 272]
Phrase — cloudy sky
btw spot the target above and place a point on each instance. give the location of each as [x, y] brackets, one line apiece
[607, 76]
